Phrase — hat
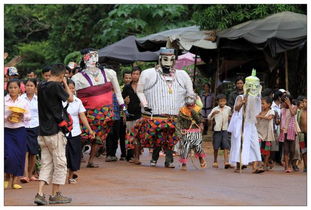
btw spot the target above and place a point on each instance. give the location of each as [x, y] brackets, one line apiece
[166, 51]
[12, 71]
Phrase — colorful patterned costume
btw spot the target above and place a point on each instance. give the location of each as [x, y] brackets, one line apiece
[189, 132]
[97, 99]
[154, 132]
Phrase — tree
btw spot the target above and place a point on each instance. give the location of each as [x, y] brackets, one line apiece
[141, 20]
[223, 16]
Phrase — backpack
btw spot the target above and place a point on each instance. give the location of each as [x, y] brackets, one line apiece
[67, 124]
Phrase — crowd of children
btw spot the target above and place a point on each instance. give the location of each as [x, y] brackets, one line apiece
[281, 127]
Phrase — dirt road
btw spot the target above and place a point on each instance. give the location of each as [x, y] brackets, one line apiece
[122, 183]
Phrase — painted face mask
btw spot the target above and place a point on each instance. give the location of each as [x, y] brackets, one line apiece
[91, 59]
[190, 100]
[252, 85]
[167, 59]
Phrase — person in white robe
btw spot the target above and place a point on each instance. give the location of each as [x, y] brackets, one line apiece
[250, 151]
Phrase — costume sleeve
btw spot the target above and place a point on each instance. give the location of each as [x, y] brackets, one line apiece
[188, 82]
[116, 87]
[196, 116]
[140, 89]
[178, 126]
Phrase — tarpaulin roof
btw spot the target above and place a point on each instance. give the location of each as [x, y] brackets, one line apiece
[125, 51]
[276, 33]
[186, 37]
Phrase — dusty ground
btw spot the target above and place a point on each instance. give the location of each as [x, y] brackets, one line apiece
[121, 183]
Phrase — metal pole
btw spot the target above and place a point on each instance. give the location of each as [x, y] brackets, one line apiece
[286, 70]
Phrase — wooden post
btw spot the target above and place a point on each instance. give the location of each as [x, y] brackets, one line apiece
[194, 70]
[286, 70]
[217, 73]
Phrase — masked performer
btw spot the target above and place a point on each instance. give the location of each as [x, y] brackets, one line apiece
[95, 87]
[188, 129]
[242, 124]
[162, 91]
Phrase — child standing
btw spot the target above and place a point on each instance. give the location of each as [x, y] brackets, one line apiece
[302, 120]
[221, 114]
[32, 128]
[265, 129]
[14, 134]
[188, 128]
[289, 130]
[74, 145]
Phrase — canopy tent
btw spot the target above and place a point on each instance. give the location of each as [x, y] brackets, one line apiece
[182, 38]
[271, 38]
[125, 51]
[274, 34]
[185, 60]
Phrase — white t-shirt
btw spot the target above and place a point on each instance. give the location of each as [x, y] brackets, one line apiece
[221, 119]
[33, 106]
[74, 109]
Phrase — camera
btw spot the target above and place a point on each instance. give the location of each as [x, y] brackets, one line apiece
[284, 97]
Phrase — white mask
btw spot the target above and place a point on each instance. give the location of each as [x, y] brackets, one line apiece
[167, 61]
[91, 59]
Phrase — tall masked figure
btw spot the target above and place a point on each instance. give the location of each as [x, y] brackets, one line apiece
[162, 91]
[95, 87]
[243, 121]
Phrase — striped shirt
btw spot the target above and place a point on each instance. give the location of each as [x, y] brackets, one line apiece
[156, 91]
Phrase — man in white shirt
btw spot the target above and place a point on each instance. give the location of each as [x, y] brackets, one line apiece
[221, 114]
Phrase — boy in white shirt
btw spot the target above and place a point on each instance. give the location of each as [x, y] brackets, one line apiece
[221, 114]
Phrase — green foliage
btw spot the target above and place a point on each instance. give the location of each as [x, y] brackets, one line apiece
[35, 55]
[219, 17]
[141, 20]
[74, 56]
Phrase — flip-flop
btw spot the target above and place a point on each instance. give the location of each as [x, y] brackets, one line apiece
[258, 171]
[288, 171]
[17, 186]
[227, 165]
[33, 178]
[91, 165]
[6, 184]
[203, 165]
[75, 176]
[24, 180]
[215, 165]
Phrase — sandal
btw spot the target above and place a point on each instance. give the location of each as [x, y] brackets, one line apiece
[227, 165]
[75, 176]
[203, 164]
[24, 179]
[33, 178]
[137, 162]
[72, 181]
[288, 171]
[17, 186]
[91, 165]
[6, 184]
[258, 171]
[215, 165]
